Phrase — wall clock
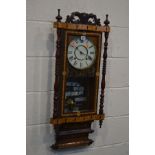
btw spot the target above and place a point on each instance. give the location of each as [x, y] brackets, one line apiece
[77, 71]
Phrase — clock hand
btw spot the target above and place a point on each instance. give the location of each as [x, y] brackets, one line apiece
[81, 52]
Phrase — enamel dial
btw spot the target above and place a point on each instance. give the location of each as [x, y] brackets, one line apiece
[81, 53]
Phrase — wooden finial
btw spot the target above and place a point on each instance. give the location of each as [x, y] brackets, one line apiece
[58, 17]
[106, 22]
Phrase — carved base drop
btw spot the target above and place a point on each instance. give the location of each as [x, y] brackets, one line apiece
[72, 135]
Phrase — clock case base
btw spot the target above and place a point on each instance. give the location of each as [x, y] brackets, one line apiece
[72, 135]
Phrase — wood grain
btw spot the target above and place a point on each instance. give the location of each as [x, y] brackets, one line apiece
[76, 119]
[70, 26]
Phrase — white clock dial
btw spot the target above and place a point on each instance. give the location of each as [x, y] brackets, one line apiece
[81, 53]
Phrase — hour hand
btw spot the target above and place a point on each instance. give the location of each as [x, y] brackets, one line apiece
[80, 52]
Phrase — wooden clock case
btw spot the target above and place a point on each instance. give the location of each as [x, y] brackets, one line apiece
[72, 129]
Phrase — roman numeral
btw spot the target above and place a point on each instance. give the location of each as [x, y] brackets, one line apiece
[91, 46]
[71, 58]
[75, 63]
[89, 57]
[73, 44]
[83, 38]
[69, 52]
[92, 52]
[80, 64]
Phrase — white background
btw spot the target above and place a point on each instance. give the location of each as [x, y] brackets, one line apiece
[13, 78]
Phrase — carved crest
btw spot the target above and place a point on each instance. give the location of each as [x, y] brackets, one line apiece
[83, 18]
